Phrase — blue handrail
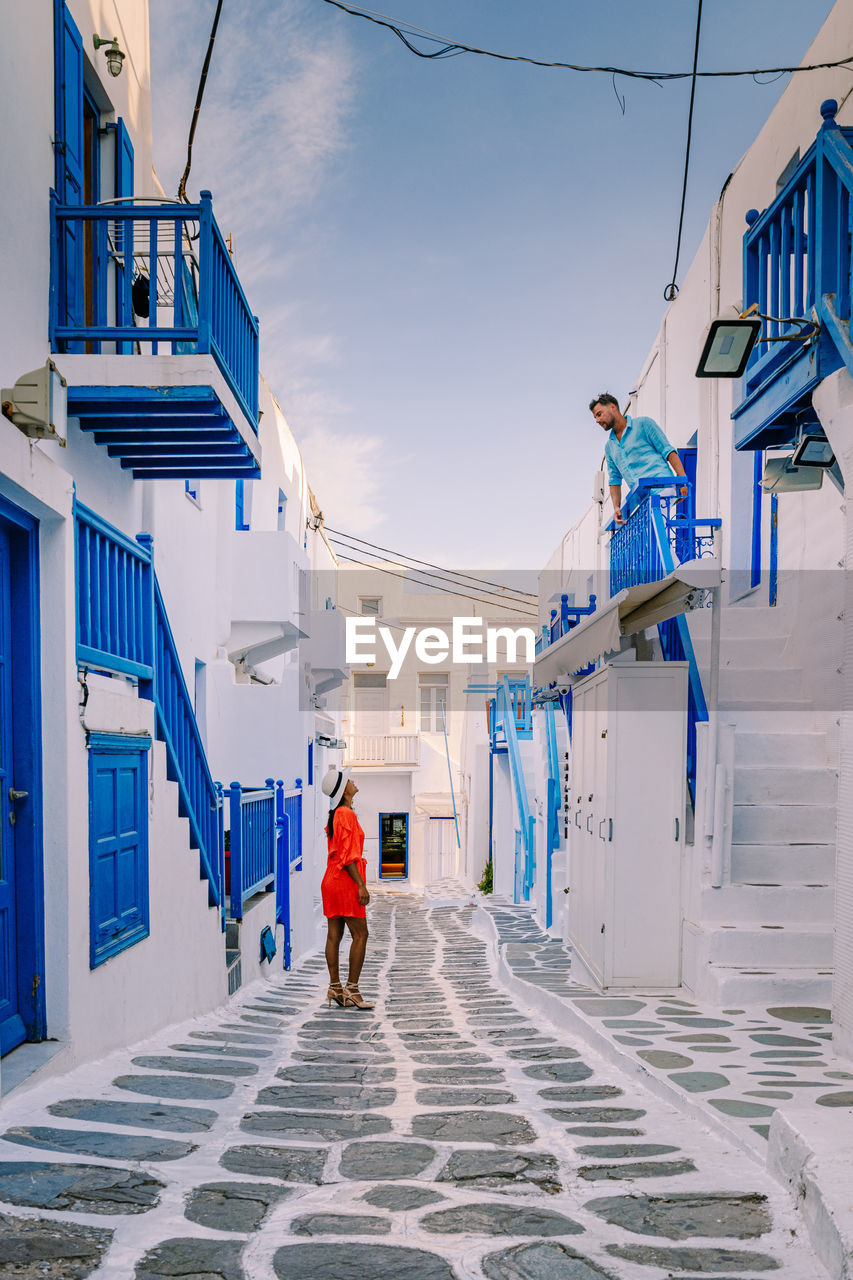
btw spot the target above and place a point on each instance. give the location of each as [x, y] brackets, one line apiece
[505, 716]
[153, 244]
[114, 598]
[185, 754]
[646, 548]
[122, 626]
[253, 840]
[552, 833]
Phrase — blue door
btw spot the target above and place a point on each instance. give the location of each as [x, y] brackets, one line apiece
[12, 1030]
[69, 149]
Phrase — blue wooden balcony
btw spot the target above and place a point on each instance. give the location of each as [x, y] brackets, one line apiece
[155, 337]
[796, 264]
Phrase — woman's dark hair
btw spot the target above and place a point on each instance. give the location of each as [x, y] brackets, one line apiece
[604, 398]
[330, 825]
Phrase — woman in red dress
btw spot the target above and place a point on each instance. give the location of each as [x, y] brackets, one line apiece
[344, 892]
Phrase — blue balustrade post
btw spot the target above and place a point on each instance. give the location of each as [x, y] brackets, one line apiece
[298, 785]
[546, 636]
[55, 274]
[148, 688]
[282, 879]
[270, 837]
[206, 250]
[220, 841]
[235, 795]
[564, 614]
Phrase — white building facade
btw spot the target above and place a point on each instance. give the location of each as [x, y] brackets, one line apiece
[764, 836]
[160, 637]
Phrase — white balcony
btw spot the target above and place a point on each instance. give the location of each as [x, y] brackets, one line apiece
[394, 750]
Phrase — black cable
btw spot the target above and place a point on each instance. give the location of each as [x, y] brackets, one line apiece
[446, 581]
[459, 573]
[452, 47]
[462, 595]
[671, 289]
[182, 185]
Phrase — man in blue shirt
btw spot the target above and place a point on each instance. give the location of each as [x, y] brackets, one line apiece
[636, 447]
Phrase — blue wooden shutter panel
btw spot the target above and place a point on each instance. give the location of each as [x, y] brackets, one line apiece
[123, 187]
[118, 844]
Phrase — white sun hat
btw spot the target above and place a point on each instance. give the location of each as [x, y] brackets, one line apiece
[333, 785]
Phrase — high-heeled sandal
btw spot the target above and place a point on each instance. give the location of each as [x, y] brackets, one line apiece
[337, 993]
[355, 997]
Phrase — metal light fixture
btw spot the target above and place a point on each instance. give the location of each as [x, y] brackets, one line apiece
[114, 55]
[727, 348]
[728, 343]
[813, 450]
[38, 404]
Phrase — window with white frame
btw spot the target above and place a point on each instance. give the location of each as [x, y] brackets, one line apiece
[432, 690]
[370, 606]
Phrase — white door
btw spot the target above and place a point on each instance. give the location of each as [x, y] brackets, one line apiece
[442, 850]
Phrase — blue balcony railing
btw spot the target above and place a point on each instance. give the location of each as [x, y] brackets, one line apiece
[122, 626]
[252, 842]
[115, 601]
[796, 265]
[660, 533]
[128, 275]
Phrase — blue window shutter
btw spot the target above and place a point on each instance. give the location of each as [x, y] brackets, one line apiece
[68, 146]
[118, 844]
[124, 160]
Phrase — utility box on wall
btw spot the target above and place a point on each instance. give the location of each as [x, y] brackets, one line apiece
[629, 726]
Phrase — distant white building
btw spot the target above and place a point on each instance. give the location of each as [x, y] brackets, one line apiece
[415, 725]
[160, 627]
[764, 836]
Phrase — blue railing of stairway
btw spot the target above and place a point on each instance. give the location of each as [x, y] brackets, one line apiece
[506, 700]
[252, 842]
[658, 534]
[120, 616]
[115, 602]
[211, 317]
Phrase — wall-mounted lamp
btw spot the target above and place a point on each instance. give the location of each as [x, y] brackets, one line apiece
[114, 55]
[728, 343]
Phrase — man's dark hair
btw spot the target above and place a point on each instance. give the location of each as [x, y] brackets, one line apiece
[604, 398]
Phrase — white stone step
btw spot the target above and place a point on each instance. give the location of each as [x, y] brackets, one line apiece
[743, 651]
[783, 824]
[781, 749]
[727, 986]
[745, 618]
[789, 785]
[792, 864]
[760, 684]
[800, 905]
[759, 946]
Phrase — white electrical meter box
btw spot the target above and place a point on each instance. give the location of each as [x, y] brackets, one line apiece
[628, 792]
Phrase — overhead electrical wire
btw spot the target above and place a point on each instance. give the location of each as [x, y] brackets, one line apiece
[434, 579]
[450, 48]
[458, 573]
[440, 578]
[462, 595]
[182, 186]
[672, 288]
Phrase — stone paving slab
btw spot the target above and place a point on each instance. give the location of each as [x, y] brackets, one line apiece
[507, 1149]
[739, 1065]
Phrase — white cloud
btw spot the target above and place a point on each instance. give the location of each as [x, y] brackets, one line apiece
[349, 474]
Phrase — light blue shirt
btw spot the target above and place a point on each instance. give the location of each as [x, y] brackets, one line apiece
[642, 451]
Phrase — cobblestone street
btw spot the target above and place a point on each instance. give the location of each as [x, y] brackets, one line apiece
[450, 1133]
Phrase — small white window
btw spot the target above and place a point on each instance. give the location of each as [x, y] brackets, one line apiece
[433, 698]
[370, 606]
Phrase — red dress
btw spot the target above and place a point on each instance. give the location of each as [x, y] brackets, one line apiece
[339, 890]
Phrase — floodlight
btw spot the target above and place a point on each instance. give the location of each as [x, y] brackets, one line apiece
[727, 347]
[813, 450]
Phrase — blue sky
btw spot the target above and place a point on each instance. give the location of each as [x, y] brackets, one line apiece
[449, 258]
